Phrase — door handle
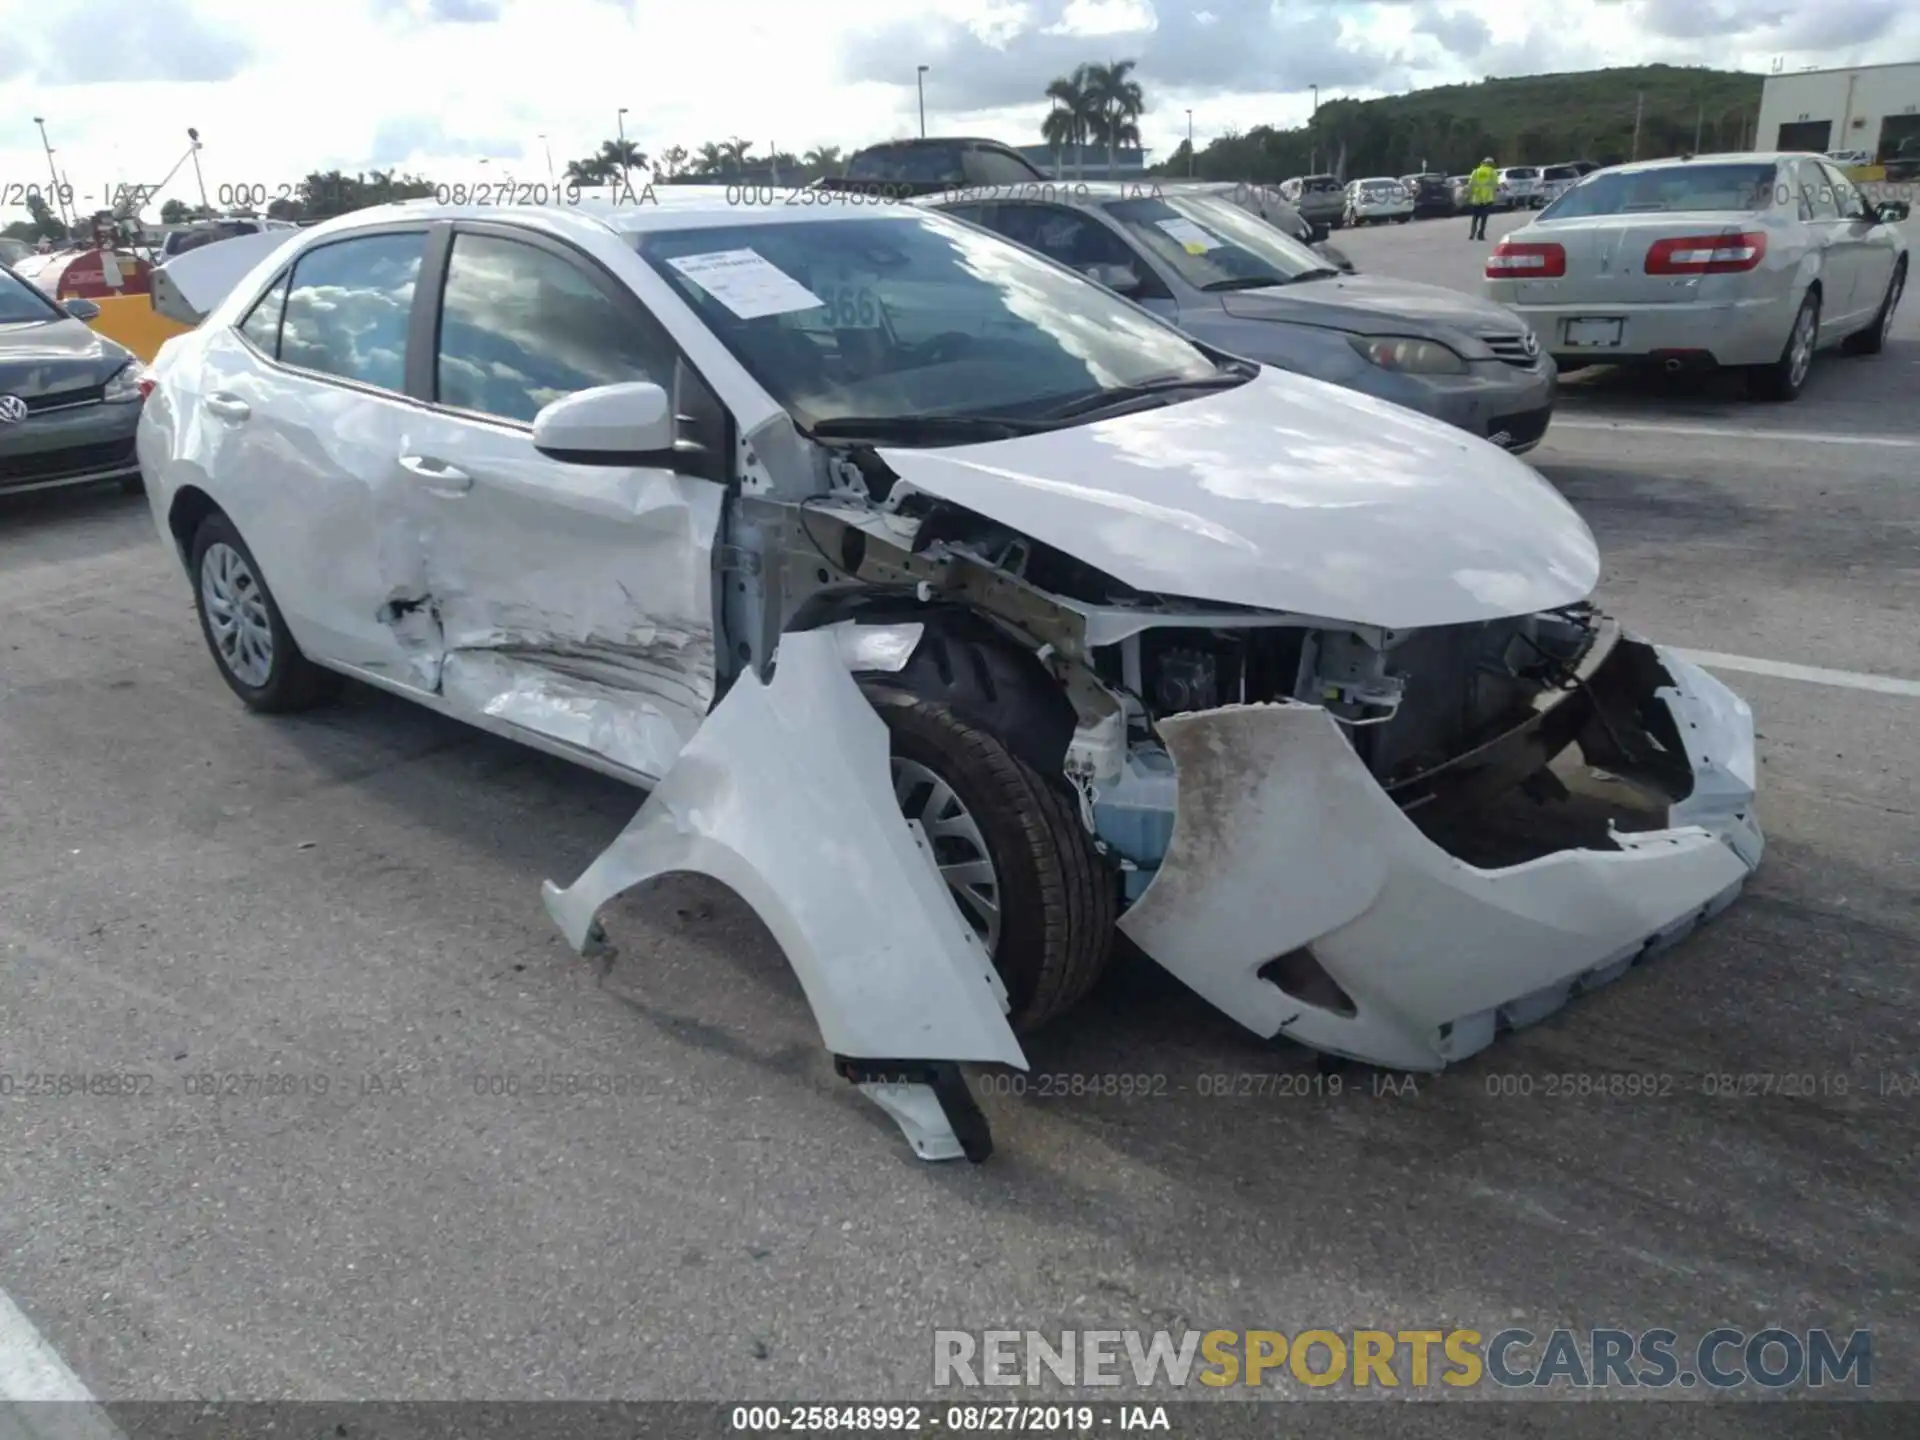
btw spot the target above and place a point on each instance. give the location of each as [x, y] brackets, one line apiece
[227, 407]
[444, 478]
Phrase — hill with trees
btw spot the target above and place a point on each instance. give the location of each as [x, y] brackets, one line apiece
[1522, 120]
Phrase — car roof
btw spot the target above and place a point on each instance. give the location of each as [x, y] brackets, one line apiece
[658, 207]
[1731, 157]
[918, 141]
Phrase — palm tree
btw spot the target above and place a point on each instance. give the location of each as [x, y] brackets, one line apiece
[1117, 102]
[621, 157]
[736, 152]
[1071, 120]
[673, 159]
[822, 159]
[712, 159]
[588, 173]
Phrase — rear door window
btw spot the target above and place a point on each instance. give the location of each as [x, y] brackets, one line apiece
[262, 325]
[348, 306]
[910, 164]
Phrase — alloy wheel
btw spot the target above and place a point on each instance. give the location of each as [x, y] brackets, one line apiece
[959, 845]
[1893, 300]
[237, 615]
[1801, 357]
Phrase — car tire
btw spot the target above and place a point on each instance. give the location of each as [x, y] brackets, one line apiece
[1786, 377]
[1873, 339]
[1057, 899]
[237, 614]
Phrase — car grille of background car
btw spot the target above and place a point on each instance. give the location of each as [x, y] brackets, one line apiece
[1512, 348]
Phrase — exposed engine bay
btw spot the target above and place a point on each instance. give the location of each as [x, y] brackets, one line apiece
[1288, 806]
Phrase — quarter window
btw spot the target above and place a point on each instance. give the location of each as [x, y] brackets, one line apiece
[262, 325]
[347, 309]
[521, 327]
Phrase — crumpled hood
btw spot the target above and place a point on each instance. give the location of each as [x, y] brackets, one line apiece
[1374, 305]
[1289, 494]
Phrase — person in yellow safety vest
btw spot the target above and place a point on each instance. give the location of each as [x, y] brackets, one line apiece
[1483, 188]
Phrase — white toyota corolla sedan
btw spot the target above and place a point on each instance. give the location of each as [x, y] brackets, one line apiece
[956, 613]
[1725, 260]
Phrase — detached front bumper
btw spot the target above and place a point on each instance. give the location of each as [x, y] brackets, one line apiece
[1284, 843]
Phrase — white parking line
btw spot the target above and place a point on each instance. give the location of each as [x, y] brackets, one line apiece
[39, 1395]
[1812, 674]
[1728, 432]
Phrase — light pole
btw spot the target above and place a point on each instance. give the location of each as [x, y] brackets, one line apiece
[60, 204]
[548, 148]
[626, 181]
[1189, 144]
[1313, 132]
[193, 138]
[920, 83]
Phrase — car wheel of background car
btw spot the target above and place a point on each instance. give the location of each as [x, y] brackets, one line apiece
[1787, 376]
[1011, 848]
[243, 628]
[1873, 339]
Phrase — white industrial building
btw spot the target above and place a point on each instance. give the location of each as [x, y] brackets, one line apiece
[1875, 108]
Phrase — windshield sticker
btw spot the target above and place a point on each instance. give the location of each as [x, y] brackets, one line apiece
[746, 283]
[1193, 239]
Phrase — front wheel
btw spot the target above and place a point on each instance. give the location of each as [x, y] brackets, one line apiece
[1786, 377]
[1011, 849]
[1873, 339]
[244, 629]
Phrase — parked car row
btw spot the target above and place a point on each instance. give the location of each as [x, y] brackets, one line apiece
[1081, 622]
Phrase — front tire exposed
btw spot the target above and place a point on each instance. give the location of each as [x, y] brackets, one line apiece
[1012, 849]
[242, 625]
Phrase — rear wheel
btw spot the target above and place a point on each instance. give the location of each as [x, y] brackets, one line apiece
[244, 629]
[1786, 377]
[1011, 849]
[1873, 339]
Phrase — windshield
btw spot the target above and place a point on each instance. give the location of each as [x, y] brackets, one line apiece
[21, 304]
[912, 317]
[1740, 187]
[1212, 243]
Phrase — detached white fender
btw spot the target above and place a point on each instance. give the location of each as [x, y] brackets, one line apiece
[785, 796]
[187, 287]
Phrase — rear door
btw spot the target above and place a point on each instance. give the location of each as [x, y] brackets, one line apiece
[576, 601]
[1831, 233]
[300, 410]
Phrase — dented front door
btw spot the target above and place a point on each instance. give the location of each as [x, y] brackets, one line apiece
[575, 601]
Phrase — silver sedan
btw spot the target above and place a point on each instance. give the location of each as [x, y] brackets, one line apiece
[1232, 280]
[1728, 260]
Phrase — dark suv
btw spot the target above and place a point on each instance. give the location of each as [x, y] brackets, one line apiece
[902, 169]
[1432, 194]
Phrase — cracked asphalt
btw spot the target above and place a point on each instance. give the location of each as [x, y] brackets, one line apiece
[400, 1193]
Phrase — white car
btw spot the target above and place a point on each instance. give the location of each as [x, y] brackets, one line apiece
[1728, 260]
[956, 612]
[1519, 188]
[1377, 201]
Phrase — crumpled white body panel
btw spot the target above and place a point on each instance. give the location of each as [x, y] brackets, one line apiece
[785, 796]
[1283, 839]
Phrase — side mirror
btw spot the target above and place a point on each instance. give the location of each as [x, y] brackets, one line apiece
[626, 424]
[1335, 257]
[1121, 279]
[80, 309]
[1892, 212]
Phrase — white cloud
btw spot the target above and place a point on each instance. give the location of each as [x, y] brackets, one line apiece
[278, 90]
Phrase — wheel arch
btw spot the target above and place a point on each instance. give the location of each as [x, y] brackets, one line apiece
[186, 513]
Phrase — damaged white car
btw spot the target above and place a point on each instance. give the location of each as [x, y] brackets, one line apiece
[957, 614]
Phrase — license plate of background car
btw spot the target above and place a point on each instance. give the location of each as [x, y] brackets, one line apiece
[1593, 334]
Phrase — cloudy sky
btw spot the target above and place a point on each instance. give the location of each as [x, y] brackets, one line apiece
[279, 88]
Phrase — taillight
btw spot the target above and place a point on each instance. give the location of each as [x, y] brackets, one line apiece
[146, 386]
[1706, 254]
[1520, 260]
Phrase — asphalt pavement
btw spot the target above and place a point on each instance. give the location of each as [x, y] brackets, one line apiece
[349, 902]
